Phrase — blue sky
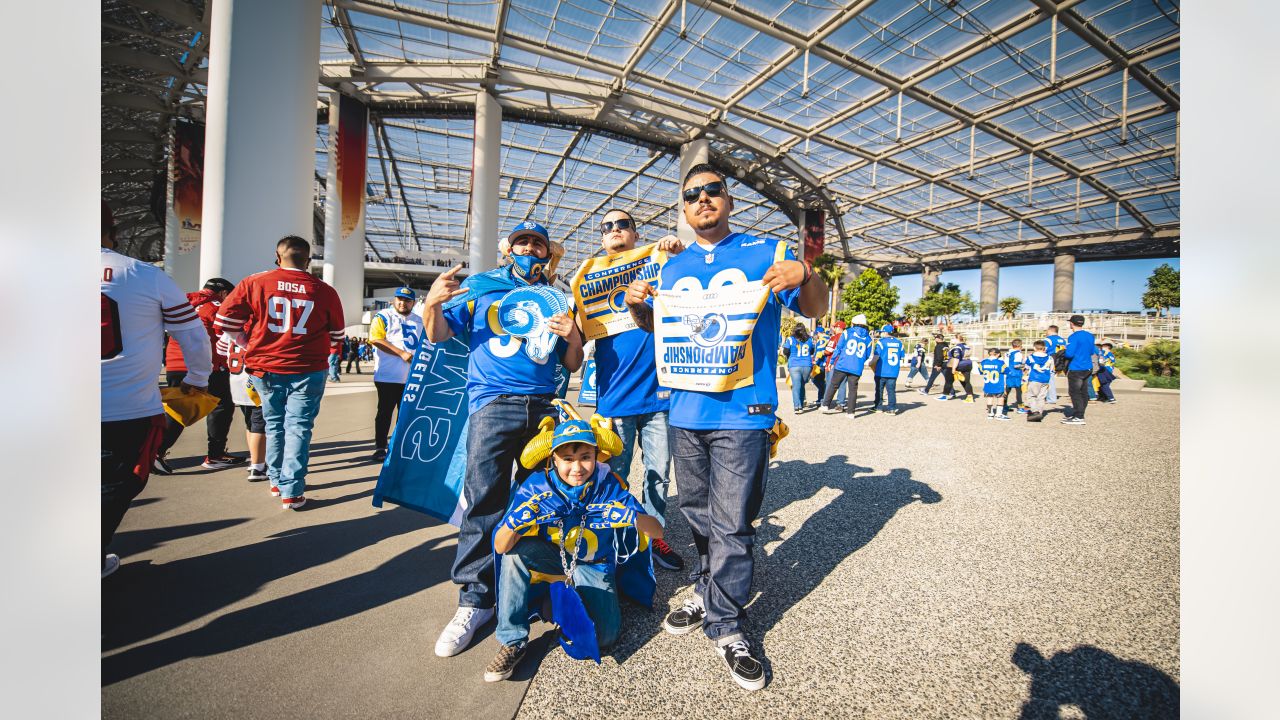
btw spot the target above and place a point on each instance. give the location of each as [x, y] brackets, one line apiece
[1034, 284]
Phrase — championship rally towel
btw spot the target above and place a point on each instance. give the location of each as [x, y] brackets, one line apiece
[702, 338]
[600, 289]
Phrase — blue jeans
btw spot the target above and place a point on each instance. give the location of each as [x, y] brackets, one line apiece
[722, 479]
[594, 583]
[799, 376]
[655, 449]
[334, 362]
[916, 370]
[887, 385]
[495, 436]
[290, 404]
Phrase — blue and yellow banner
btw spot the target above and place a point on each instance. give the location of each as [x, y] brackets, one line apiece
[600, 286]
[702, 338]
[587, 395]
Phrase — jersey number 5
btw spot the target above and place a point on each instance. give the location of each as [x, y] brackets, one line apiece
[280, 310]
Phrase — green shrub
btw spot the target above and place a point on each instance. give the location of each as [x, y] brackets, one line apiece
[1159, 359]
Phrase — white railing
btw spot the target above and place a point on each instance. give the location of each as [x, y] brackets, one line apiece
[1131, 330]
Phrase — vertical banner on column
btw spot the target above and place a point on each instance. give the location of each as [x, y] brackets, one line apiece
[188, 183]
[814, 234]
[426, 461]
[587, 395]
[353, 141]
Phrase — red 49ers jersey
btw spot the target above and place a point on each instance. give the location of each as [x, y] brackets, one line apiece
[293, 319]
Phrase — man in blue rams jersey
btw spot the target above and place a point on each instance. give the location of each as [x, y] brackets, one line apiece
[849, 359]
[720, 440]
[508, 394]
[628, 392]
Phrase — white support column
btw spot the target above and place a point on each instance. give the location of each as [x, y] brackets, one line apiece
[1064, 282]
[929, 276]
[486, 159]
[989, 291]
[691, 153]
[344, 250]
[260, 132]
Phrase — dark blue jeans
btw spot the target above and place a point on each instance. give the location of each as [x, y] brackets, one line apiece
[887, 385]
[495, 437]
[722, 478]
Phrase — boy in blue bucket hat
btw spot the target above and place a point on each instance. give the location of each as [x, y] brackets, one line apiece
[562, 527]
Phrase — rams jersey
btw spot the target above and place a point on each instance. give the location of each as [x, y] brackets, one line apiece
[593, 545]
[992, 371]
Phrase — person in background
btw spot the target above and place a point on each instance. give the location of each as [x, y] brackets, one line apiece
[918, 355]
[335, 362]
[1015, 364]
[851, 355]
[395, 333]
[1039, 377]
[828, 362]
[819, 372]
[887, 365]
[1106, 373]
[798, 350]
[1054, 344]
[959, 365]
[247, 399]
[992, 370]
[940, 348]
[352, 350]
[1081, 356]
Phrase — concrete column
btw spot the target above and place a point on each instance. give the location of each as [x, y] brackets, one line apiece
[1064, 282]
[691, 153]
[260, 132]
[989, 293]
[928, 278]
[184, 268]
[485, 163]
[344, 229]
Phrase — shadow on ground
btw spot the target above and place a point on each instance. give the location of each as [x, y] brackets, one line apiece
[799, 564]
[143, 600]
[1099, 684]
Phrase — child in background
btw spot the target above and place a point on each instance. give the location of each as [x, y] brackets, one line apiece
[992, 371]
[1040, 377]
[1015, 363]
[887, 362]
[562, 523]
[917, 364]
[1106, 373]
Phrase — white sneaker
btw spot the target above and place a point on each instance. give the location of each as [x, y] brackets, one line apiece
[110, 564]
[830, 410]
[458, 633]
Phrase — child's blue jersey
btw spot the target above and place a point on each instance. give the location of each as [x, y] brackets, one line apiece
[992, 370]
[736, 258]
[1040, 366]
[604, 487]
[1054, 343]
[888, 357]
[801, 353]
[498, 364]
[958, 352]
[853, 350]
[1015, 363]
[1106, 358]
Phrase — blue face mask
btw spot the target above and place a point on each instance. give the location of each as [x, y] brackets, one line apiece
[573, 493]
[529, 268]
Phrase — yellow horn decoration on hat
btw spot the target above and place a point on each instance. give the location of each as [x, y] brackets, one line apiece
[608, 443]
[779, 431]
[539, 448]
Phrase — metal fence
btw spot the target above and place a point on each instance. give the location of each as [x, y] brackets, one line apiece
[1122, 330]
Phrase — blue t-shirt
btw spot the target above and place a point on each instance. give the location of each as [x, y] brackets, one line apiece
[1054, 343]
[852, 351]
[888, 357]
[498, 364]
[1015, 363]
[1106, 358]
[992, 371]
[1040, 367]
[603, 487]
[736, 258]
[959, 352]
[801, 353]
[627, 377]
[1080, 350]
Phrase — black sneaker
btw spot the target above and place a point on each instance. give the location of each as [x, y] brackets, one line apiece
[746, 670]
[686, 618]
[161, 465]
[665, 557]
[504, 663]
[379, 455]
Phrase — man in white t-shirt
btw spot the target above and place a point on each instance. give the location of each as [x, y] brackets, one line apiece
[139, 305]
[395, 333]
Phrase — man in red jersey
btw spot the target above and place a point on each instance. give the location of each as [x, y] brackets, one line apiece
[217, 422]
[294, 319]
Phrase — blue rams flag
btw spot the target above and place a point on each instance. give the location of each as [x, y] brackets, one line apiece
[577, 631]
[587, 396]
[524, 312]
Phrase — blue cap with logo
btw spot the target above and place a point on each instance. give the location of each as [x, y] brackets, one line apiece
[529, 227]
[406, 293]
[886, 329]
[573, 431]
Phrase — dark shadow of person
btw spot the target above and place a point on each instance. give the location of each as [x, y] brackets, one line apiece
[194, 587]
[1100, 684]
[845, 524]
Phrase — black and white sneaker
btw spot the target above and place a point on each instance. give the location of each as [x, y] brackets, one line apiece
[685, 619]
[746, 670]
[504, 663]
[161, 465]
[665, 557]
[256, 475]
[1073, 421]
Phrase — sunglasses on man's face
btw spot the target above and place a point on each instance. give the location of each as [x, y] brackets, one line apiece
[609, 226]
[712, 189]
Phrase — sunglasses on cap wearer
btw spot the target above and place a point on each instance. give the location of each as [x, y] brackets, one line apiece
[609, 226]
[712, 189]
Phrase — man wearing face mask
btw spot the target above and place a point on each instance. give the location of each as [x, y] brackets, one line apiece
[628, 392]
[394, 334]
[509, 393]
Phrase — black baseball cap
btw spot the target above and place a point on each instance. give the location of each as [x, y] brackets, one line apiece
[219, 285]
[1077, 320]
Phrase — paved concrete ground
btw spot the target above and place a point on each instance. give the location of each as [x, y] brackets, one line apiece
[929, 564]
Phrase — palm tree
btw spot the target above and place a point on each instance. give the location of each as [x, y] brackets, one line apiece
[828, 268]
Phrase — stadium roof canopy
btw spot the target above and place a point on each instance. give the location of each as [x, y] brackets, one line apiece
[931, 132]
